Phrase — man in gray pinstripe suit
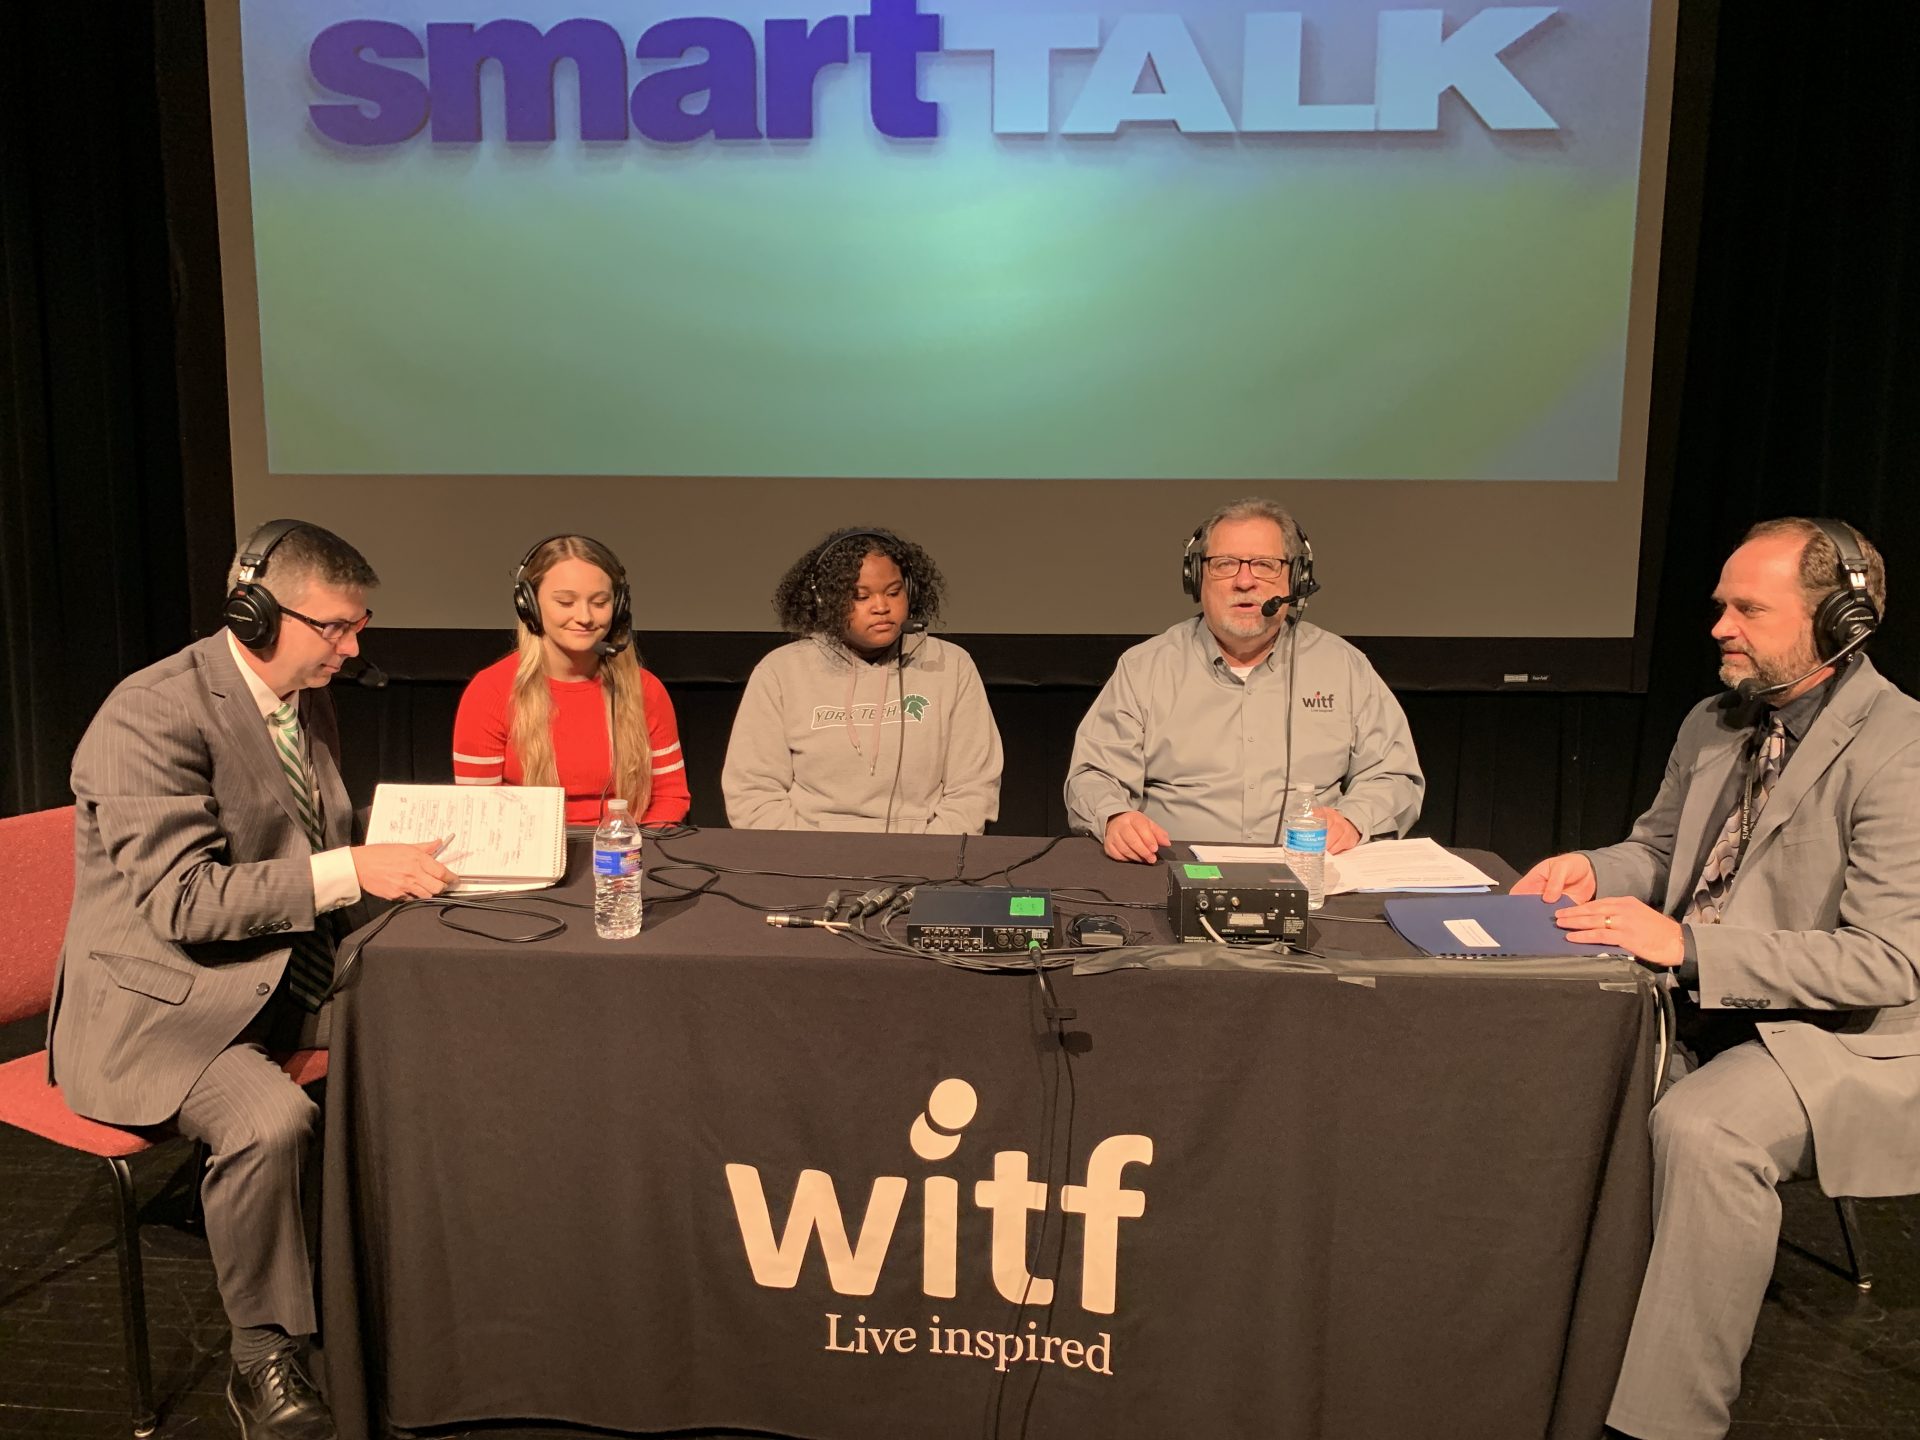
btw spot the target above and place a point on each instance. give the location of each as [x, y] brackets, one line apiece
[213, 869]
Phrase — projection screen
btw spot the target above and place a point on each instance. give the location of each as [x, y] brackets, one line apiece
[1037, 288]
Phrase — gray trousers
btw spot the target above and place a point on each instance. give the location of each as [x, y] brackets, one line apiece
[258, 1194]
[1723, 1138]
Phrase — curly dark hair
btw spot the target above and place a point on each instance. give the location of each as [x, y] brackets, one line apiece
[831, 570]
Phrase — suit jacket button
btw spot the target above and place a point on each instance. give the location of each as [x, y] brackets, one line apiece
[263, 988]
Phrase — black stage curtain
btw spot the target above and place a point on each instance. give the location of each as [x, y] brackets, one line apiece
[1792, 399]
[92, 519]
[1802, 366]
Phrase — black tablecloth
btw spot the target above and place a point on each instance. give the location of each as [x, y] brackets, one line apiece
[1400, 1197]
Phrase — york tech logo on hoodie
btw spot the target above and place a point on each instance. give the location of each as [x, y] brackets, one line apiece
[915, 707]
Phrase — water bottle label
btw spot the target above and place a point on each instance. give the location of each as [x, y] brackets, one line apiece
[1308, 842]
[616, 864]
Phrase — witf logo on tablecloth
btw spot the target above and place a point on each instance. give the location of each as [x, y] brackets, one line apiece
[853, 1268]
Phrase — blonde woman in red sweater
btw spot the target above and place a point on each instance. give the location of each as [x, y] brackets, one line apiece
[571, 706]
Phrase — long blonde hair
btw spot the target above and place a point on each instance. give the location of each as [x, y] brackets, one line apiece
[530, 705]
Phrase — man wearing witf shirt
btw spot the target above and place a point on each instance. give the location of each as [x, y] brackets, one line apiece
[1201, 730]
[213, 854]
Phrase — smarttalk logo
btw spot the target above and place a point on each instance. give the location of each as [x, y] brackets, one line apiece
[699, 77]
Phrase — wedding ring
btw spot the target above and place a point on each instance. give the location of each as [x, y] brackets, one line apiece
[1608, 922]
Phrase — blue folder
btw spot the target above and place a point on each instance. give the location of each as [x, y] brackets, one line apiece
[1517, 924]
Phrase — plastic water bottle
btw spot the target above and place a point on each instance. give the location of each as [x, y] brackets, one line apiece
[1307, 845]
[616, 875]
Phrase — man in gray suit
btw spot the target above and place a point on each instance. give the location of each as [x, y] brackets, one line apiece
[1777, 879]
[213, 870]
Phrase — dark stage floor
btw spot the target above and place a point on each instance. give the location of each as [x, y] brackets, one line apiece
[1828, 1362]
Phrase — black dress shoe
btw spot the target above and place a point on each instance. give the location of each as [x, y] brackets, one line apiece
[278, 1402]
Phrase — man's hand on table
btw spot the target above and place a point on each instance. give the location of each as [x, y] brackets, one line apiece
[1342, 833]
[1132, 836]
[1557, 875]
[1630, 925]
[1627, 924]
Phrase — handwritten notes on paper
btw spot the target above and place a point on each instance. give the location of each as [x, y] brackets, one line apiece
[502, 837]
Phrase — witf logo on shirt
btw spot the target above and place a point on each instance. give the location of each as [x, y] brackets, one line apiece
[1319, 700]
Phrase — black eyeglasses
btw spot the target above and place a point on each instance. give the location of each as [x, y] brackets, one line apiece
[1264, 567]
[331, 631]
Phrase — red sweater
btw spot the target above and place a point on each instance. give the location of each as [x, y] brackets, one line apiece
[582, 749]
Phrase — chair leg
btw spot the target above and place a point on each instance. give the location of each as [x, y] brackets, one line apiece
[133, 1301]
[196, 1213]
[1850, 1234]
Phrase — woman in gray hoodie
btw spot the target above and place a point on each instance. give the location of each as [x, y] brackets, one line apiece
[865, 721]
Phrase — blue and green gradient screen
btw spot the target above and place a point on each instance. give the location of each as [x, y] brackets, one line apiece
[969, 240]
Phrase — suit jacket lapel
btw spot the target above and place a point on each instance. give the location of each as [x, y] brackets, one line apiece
[240, 720]
[1832, 732]
[1701, 813]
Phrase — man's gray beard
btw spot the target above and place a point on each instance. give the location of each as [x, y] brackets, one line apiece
[1255, 625]
[1768, 673]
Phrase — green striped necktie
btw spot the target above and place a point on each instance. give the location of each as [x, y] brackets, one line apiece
[310, 970]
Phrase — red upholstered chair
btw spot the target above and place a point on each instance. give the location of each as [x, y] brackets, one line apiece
[36, 873]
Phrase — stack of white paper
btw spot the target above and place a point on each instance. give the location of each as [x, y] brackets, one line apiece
[1378, 865]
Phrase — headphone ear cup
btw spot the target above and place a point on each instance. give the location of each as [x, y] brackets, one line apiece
[1847, 616]
[1300, 581]
[620, 623]
[526, 604]
[1842, 618]
[253, 615]
[251, 612]
[813, 584]
[916, 622]
[1190, 562]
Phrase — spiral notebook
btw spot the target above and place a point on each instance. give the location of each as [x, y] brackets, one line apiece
[504, 837]
[1462, 926]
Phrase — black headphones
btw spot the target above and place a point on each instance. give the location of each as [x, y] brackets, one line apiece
[251, 612]
[526, 600]
[1300, 581]
[887, 537]
[1844, 619]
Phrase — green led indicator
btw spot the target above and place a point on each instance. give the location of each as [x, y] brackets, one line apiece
[1024, 905]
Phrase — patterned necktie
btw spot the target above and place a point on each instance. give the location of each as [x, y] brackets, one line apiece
[310, 971]
[1716, 876]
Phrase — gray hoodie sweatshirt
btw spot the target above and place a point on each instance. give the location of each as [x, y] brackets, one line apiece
[824, 740]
